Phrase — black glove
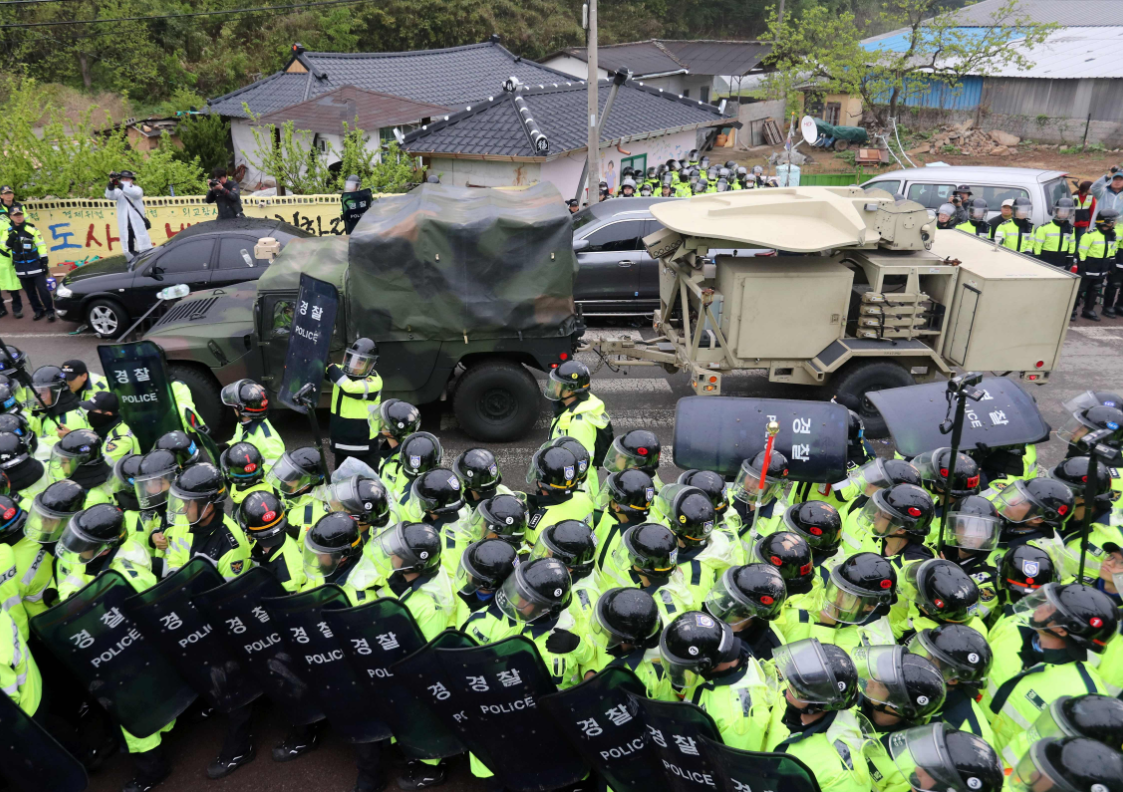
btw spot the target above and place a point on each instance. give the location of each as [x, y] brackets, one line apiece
[112, 185]
[562, 642]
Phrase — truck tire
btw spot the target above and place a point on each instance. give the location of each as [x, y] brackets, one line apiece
[205, 392]
[107, 318]
[859, 378]
[497, 401]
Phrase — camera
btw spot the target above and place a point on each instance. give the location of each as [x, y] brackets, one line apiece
[115, 175]
[213, 184]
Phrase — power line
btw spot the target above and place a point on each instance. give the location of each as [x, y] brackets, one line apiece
[258, 9]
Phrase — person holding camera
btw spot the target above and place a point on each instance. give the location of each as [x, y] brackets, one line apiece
[224, 192]
[25, 247]
[132, 225]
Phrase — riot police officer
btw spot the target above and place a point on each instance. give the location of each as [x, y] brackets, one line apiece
[1095, 260]
[365, 499]
[790, 555]
[746, 491]
[553, 474]
[1074, 473]
[294, 476]
[946, 217]
[484, 565]
[577, 412]
[964, 658]
[898, 520]
[939, 756]
[51, 510]
[1017, 232]
[250, 403]
[1022, 570]
[261, 515]
[1091, 715]
[56, 410]
[817, 523]
[750, 599]
[1068, 763]
[574, 544]
[397, 420]
[243, 466]
[151, 483]
[1055, 242]
[479, 476]
[199, 526]
[501, 517]
[638, 449]
[630, 497]
[703, 554]
[933, 467]
[939, 592]
[77, 456]
[854, 605]
[971, 531]
[626, 628]
[875, 475]
[976, 222]
[418, 453]
[103, 411]
[12, 571]
[1031, 510]
[437, 500]
[410, 553]
[647, 558]
[356, 392]
[25, 473]
[331, 552]
[186, 451]
[587, 479]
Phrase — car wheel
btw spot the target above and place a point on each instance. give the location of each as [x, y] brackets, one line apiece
[205, 393]
[859, 378]
[497, 401]
[107, 318]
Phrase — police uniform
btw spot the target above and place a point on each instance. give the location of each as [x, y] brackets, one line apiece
[284, 561]
[185, 408]
[962, 711]
[28, 252]
[225, 545]
[743, 703]
[261, 434]
[430, 599]
[981, 228]
[647, 665]
[546, 510]
[46, 426]
[672, 595]
[390, 471]
[237, 495]
[584, 420]
[1017, 235]
[1096, 259]
[832, 746]
[800, 623]
[351, 401]
[19, 675]
[35, 566]
[1055, 243]
[11, 601]
[119, 443]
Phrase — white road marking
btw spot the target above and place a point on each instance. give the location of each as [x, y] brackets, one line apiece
[632, 385]
[1099, 333]
[41, 335]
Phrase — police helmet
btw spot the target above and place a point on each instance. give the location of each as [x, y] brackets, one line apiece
[478, 472]
[689, 512]
[91, 532]
[365, 499]
[1068, 763]
[639, 448]
[1087, 615]
[818, 523]
[8, 402]
[484, 565]
[502, 515]
[49, 382]
[859, 587]
[693, 645]
[901, 508]
[937, 756]
[1105, 220]
[944, 592]
[13, 359]
[52, 509]
[1036, 501]
[437, 491]
[412, 547]
[577, 448]
[1095, 716]
[1024, 569]
[248, 398]
[185, 449]
[243, 465]
[632, 491]
[962, 654]
[822, 676]
[752, 591]
[747, 486]
[626, 618]
[17, 424]
[553, 468]
[1023, 208]
[330, 543]
[791, 556]
[418, 453]
[12, 518]
[1073, 473]
[296, 472]
[570, 378]
[972, 524]
[712, 484]
[77, 448]
[360, 358]
[978, 210]
[628, 184]
[13, 451]
[649, 548]
[399, 419]
[899, 683]
[1064, 209]
[195, 492]
[154, 479]
[933, 467]
[537, 588]
[572, 542]
[262, 516]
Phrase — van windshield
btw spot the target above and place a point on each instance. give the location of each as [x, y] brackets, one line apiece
[1054, 191]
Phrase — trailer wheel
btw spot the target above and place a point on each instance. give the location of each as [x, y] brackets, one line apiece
[497, 401]
[859, 378]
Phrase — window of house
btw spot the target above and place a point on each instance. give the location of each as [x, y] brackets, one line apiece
[704, 93]
[637, 162]
[832, 112]
[686, 93]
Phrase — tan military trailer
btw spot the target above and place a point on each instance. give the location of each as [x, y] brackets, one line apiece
[853, 290]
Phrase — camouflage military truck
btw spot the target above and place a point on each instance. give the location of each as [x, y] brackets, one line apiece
[464, 291]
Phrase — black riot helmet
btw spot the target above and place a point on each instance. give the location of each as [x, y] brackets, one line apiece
[569, 379]
[478, 472]
[860, 586]
[197, 490]
[12, 359]
[627, 617]
[632, 491]
[1105, 220]
[962, 654]
[855, 439]
[8, 402]
[52, 509]
[49, 382]
[572, 542]
[577, 448]
[649, 548]
[334, 540]
[1036, 501]
[365, 499]
[79, 447]
[818, 523]
[360, 358]
[13, 451]
[553, 469]
[821, 675]
[1073, 473]
[938, 757]
[418, 453]
[537, 589]
[153, 480]
[1023, 208]
[944, 592]
[1069, 764]
[752, 591]
[484, 565]
[296, 472]
[262, 516]
[1092, 715]
[1024, 569]
[1091, 422]
[248, 398]
[693, 645]
[901, 507]
[399, 419]
[972, 524]
[12, 518]
[747, 486]
[899, 683]
[933, 467]
[409, 547]
[502, 515]
[437, 491]
[1088, 616]
[637, 449]
[17, 424]
[1064, 209]
[710, 483]
[243, 465]
[688, 511]
[185, 449]
[90, 533]
[978, 210]
[791, 556]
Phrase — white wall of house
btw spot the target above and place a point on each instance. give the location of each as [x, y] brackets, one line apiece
[482, 173]
[245, 148]
[575, 66]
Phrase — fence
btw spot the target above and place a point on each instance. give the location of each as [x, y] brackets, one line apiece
[831, 179]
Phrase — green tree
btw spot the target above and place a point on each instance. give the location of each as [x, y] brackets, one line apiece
[205, 140]
[165, 170]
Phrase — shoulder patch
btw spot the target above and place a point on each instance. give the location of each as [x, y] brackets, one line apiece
[746, 701]
[844, 753]
[1034, 699]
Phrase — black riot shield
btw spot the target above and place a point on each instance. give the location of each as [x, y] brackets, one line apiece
[93, 635]
[245, 626]
[738, 771]
[500, 684]
[719, 432]
[30, 759]
[374, 636]
[355, 205]
[423, 677]
[187, 637]
[136, 373]
[1005, 416]
[341, 692]
[596, 719]
[674, 732]
[309, 343]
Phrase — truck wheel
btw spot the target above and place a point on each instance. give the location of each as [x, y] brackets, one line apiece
[205, 392]
[107, 318]
[856, 380]
[497, 401]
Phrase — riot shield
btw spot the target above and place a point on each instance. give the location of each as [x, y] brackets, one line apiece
[374, 636]
[674, 731]
[1005, 416]
[719, 432]
[309, 342]
[355, 205]
[30, 759]
[423, 677]
[500, 684]
[187, 637]
[136, 373]
[737, 771]
[248, 631]
[340, 691]
[595, 718]
[93, 635]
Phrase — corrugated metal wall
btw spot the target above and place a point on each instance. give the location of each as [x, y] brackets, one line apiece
[921, 92]
[1057, 99]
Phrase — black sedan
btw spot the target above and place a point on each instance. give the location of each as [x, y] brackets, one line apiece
[111, 293]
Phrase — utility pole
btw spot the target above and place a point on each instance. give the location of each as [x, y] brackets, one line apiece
[594, 105]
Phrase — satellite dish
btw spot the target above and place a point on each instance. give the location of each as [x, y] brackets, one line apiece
[809, 130]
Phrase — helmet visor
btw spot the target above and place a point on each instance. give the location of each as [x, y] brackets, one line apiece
[152, 488]
[747, 487]
[978, 213]
[1023, 211]
[391, 551]
[971, 531]
[805, 668]
[323, 561]
[1051, 723]
[554, 388]
[1016, 505]
[921, 755]
[1034, 772]
[878, 518]
[726, 602]
[76, 547]
[626, 556]
[358, 364]
[63, 463]
[520, 602]
[189, 507]
[848, 604]
[1040, 609]
[229, 394]
[287, 477]
[921, 644]
[870, 477]
[881, 675]
[620, 458]
[468, 580]
[44, 525]
[1062, 213]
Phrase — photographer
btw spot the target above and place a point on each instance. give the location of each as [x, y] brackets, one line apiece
[961, 200]
[225, 193]
[132, 225]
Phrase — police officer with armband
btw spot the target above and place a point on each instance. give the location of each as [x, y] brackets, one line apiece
[936, 592]
[818, 524]
[976, 219]
[251, 409]
[790, 555]
[77, 457]
[1055, 242]
[647, 558]
[418, 453]
[971, 531]
[875, 475]
[638, 449]
[357, 389]
[938, 756]
[964, 658]
[553, 475]
[484, 566]
[630, 498]
[853, 606]
[715, 670]
[199, 526]
[261, 516]
[479, 476]
[1092, 716]
[501, 517]
[294, 476]
[821, 687]
[750, 599]
[577, 412]
[397, 420]
[745, 491]
[625, 629]
[243, 466]
[574, 544]
[103, 411]
[60, 410]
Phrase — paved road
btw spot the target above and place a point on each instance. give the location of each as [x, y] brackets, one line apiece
[647, 399]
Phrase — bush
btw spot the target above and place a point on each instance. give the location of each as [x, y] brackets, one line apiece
[204, 139]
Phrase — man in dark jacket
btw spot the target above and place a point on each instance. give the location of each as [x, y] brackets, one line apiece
[225, 193]
[24, 244]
